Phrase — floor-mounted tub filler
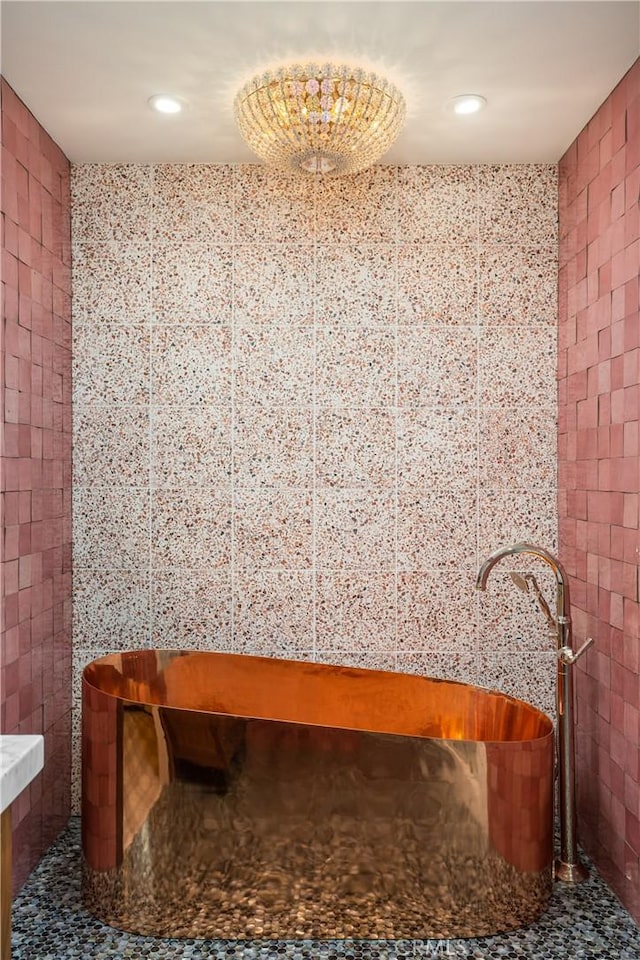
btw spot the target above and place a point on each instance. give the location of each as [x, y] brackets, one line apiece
[567, 867]
[234, 797]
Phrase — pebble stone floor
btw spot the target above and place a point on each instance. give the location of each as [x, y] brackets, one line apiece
[49, 923]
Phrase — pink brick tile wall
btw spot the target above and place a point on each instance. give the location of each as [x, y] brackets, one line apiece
[599, 468]
[35, 652]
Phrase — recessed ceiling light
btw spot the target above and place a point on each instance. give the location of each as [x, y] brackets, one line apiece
[164, 104]
[467, 103]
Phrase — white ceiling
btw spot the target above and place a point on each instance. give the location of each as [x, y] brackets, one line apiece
[86, 70]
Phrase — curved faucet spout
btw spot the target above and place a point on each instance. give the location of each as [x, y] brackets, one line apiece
[568, 867]
[562, 580]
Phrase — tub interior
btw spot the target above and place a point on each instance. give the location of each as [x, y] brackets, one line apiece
[317, 694]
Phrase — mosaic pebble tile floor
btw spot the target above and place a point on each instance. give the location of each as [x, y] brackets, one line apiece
[49, 923]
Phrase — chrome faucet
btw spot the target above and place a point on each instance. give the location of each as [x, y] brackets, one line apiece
[568, 867]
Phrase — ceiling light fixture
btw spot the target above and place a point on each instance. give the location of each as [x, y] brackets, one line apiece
[164, 104]
[467, 103]
[331, 119]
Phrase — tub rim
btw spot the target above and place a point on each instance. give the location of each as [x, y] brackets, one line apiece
[490, 693]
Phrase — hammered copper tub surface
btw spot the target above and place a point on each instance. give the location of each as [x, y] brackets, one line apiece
[237, 797]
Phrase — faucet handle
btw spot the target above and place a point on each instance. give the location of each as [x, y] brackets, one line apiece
[567, 655]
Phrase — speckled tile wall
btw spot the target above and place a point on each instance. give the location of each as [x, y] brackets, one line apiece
[304, 412]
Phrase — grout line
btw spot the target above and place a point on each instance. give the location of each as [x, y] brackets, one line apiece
[150, 611]
[478, 386]
[396, 395]
[314, 435]
[232, 385]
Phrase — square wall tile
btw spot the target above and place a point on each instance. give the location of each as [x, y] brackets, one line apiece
[206, 633]
[517, 448]
[362, 659]
[438, 283]
[437, 530]
[191, 609]
[111, 527]
[517, 364]
[358, 208]
[273, 447]
[355, 530]
[191, 365]
[356, 285]
[190, 447]
[274, 365]
[355, 612]
[355, 367]
[111, 363]
[273, 206]
[518, 201]
[111, 282]
[510, 620]
[521, 516]
[448, 663]
[438, 203]
[437, 610]
[437, 447]
[192, 202]
[190, 528]
[518, 284]
[111, 201]
[273, 613]
[355, 448]
[110, 609]
[110, 441]
[530, 676]
[273, 283]
[192, 283]
[437, 366]
[273, 529]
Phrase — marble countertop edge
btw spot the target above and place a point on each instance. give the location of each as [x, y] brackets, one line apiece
[21, 759]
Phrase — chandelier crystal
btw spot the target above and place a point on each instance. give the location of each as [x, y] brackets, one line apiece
[331, 119]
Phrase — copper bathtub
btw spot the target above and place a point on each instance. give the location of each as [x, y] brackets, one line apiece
[241, 797]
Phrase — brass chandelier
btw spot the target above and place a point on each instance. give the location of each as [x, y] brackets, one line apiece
[332, 119]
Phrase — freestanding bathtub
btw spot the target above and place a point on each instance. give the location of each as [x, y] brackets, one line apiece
[241, 797]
